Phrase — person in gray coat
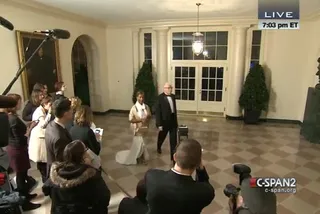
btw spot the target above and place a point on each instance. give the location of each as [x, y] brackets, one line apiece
[251, 200]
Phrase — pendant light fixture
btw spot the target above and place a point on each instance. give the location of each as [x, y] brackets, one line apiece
[197, 45]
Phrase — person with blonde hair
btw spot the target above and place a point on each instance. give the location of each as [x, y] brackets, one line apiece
[82, 129]
[75, 104]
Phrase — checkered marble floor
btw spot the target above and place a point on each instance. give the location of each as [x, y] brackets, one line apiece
[270, 149]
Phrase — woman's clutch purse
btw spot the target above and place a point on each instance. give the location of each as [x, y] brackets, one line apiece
[142, 130]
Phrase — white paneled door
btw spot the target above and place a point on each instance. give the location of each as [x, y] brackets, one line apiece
[200, 88]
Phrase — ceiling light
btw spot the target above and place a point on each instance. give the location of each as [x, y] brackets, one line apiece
[197, 45]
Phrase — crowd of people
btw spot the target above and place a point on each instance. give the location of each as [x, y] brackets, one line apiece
[57, 132]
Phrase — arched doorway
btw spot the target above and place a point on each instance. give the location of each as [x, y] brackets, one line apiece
[80, 72]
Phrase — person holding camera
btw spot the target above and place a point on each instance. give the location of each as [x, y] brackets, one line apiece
[248, 200]
[175, 191]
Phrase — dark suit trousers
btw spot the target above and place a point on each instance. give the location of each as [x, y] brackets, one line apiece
[173, 137]
[48, 170]
[42, 167]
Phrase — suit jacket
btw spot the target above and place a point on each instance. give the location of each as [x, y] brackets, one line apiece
[171, 193]
[87, 136]
[163, 112]
[56, 138]
[132, 206]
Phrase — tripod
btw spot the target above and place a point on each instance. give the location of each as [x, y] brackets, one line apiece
[21, 69]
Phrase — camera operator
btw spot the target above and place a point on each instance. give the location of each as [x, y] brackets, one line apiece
[248, 200]
[175, 191]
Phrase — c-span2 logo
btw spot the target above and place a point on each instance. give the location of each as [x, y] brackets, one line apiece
[275, 14]
[276, 185]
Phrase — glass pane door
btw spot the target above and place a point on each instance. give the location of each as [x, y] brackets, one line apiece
[211, 89]
[184, 82]
[185, 87]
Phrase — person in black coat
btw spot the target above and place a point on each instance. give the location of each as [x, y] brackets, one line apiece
[136, 205]
[17, 150]
[166, 119]
[175, 191]
[82, 131]
[57, 136]
[32, 105]
[75, 187]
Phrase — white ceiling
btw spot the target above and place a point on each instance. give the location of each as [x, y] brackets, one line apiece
[147, 10]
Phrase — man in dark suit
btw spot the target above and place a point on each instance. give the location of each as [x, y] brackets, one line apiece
[57, 136]
[175, 191]
[136, 205]
[166, 119]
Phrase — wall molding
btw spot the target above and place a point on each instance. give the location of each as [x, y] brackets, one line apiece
[222, 21]
[186, 22]
[51, 11]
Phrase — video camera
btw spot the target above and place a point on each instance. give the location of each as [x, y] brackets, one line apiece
[256, 200]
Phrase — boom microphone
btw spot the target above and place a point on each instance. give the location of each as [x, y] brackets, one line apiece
[55, 33]
[5, 23]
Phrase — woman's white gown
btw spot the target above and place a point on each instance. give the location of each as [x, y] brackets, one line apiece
[138, 147]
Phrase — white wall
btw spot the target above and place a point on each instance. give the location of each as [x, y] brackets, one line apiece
[120, 67]
[312, 53]
[290, 59]
[33, 18]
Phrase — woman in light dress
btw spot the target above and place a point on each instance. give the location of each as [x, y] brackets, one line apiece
[37, 145]
[139, 117]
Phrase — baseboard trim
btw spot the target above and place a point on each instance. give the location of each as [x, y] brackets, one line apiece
[283, 121]
[110, 111]
[268, 120]
[234, 118]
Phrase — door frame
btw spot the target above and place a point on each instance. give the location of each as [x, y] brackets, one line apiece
[193, 106]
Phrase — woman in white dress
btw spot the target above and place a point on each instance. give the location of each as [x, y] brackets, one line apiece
[139, 118]
[37, 146]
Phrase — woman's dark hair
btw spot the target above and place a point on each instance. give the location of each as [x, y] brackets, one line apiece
[58, 86]
[139, 93]
[35, 97]
[45, 101]
[83, 116]
[38, 86]
[16, 97]
[73, 153]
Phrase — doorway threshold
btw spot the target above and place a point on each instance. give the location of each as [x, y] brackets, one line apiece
[201, 113]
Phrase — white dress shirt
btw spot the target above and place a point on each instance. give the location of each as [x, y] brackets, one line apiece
[170, 103]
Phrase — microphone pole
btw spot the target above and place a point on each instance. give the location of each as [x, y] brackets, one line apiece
[21, 69]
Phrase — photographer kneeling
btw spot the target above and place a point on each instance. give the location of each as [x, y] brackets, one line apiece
[248, 200]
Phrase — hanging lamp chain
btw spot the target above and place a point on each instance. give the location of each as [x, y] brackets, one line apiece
[198, 16]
